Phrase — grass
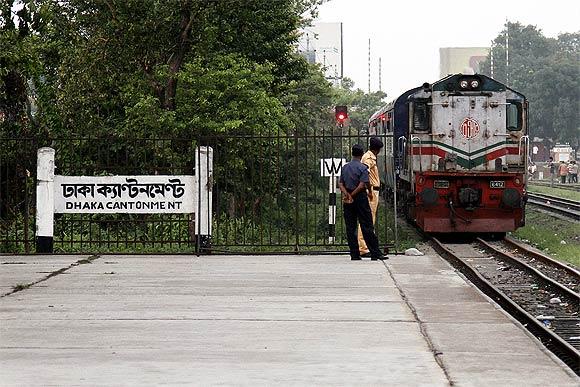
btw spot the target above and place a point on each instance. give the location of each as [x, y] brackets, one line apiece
[556, 237]
[19, 287]
[562, 193]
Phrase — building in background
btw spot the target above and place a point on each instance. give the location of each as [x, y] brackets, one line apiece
[540, 149]
[563, 152]
[322, 43]
[466, 60]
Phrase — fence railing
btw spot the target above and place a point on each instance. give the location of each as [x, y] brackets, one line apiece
[268, 194]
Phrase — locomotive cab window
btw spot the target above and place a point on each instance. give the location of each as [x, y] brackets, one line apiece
[513, 116]
[421, 116]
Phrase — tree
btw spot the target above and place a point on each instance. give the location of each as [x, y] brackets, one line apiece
[361, 105]
[546, 71]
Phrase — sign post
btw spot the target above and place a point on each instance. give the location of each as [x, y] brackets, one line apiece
[138, 194]
[45, 200]
[331, 168]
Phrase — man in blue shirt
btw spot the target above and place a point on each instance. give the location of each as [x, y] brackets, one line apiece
[354, 181]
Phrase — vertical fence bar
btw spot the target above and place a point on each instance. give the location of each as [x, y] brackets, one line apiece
[296, 193]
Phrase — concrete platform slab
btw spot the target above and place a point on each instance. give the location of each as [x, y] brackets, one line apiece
[467, 330]
[138, 367]
[232, 320]
[493, 369]
[290, 320]
[449, 312]
[21, 270]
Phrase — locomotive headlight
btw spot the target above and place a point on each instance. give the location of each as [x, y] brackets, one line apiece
[474, 84]
[511, 198]
[463, 84]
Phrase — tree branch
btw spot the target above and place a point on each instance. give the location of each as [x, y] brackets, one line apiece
[176, 59]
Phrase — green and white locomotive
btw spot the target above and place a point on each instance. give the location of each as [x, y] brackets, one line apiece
[456, 154]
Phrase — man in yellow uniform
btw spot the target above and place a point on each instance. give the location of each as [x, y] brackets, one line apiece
[370, 160]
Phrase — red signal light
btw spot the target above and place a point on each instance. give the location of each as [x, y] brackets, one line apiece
[341, 114]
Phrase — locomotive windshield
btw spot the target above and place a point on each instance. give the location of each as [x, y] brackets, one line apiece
[421, 119]
[513, 115]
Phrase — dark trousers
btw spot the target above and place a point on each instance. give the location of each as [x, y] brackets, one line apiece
[360, 211]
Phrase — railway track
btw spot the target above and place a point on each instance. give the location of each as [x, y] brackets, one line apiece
[541, 294]
[569, 187]
[568, 208]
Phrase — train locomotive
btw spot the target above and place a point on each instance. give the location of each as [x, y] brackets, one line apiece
[455, 156]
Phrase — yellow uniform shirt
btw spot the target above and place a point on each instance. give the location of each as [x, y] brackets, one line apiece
[370, 160]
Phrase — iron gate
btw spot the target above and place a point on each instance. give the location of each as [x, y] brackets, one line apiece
[268, 195]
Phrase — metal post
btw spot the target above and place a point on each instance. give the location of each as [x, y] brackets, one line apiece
[203, 195]
[395, 204]
[507, 52]
[332, 180]
[45, 200]
[380, 76]
[491, 56]
[369, 91]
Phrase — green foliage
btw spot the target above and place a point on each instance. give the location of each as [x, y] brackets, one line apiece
[133, 86]
[546, 71]
[556, 237]
[361, 105]
[229, 94]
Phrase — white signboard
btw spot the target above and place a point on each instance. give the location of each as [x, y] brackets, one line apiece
[124, 194]
[331, 167]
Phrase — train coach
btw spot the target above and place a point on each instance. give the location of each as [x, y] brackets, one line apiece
[456, 154]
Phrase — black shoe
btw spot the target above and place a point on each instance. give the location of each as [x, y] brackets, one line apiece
[366, 255]
[381, 257]
[355, 258]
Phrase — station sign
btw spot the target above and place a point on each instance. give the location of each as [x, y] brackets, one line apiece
[124, 194]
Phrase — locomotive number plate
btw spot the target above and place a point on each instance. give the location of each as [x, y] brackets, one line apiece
[441, 184]
[497, 184]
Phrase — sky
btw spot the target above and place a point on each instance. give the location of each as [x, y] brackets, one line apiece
[407, 34]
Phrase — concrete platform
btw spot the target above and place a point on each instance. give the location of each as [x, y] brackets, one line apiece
[265, 320]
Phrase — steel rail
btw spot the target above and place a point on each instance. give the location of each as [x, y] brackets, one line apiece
[568, 354]
[556, 200]
[554, 209]
[540, 257]
[506, 256]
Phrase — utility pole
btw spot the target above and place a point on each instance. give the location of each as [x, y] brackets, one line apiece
[369, 65]
[380, 86]
[491, 59]
[507, 52]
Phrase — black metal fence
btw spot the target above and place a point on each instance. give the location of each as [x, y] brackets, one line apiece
[268, 195]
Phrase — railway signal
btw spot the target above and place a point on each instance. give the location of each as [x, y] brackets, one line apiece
[341, 114]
